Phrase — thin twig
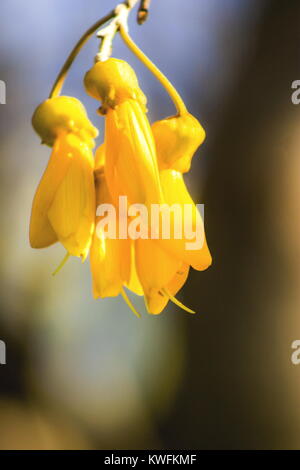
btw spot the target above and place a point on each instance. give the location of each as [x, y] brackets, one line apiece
[108, 33]
[65, 68]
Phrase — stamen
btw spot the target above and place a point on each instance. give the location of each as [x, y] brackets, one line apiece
[61, 265]
[128, 302]
[177, 302]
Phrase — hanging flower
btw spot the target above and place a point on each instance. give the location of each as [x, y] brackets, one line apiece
[163, 264]
[63, 208]
[130, 157]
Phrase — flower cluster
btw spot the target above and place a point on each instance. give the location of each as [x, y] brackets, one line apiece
[143, 162]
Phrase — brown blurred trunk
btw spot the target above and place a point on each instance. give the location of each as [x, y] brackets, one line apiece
[241, 390]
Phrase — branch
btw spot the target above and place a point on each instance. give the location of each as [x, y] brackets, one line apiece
[57, 87]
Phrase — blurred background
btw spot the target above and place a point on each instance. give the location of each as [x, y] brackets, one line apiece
[86, 374]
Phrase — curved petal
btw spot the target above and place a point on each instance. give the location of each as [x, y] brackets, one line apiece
[41, 233]
[175, 192]
[109, 257]
[134, 283]
[156, 269]
[131, 166]
[72, 212]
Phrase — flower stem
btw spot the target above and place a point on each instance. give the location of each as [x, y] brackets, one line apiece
[176, 98]
[56, 89]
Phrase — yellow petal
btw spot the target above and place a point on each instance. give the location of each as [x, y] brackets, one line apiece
[72, 212]
[41, 233]
[159, 298]
[156, 269]
[109, 258]
[131, 166]
[100, 157]
[179, 279]
[175, 192]
[113, 81]
[134, 283]
[109, 264]
[177, 139]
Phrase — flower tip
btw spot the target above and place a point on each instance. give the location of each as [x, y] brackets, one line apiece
[153, 306]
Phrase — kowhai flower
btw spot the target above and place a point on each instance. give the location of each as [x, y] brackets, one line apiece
[130, 157]
[63, 208]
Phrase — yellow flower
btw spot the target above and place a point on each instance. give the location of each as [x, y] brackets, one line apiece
[175, 192]
[163, 264]
[63, 208]
[130, 157]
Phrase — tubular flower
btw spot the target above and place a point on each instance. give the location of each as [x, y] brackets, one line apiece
[163, 264]
[63, 208]
[130, 156]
